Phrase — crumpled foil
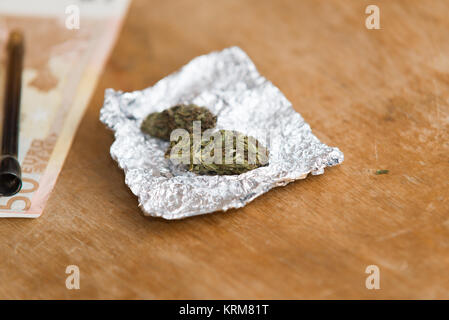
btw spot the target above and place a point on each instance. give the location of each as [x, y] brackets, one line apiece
[228, 83]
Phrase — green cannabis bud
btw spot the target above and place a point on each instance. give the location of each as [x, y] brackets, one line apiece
[223, 152]
[161, 124]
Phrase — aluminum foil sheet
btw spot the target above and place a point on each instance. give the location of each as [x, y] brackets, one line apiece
[228, 83]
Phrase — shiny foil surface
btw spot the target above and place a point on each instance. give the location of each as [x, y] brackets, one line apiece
[228, 83]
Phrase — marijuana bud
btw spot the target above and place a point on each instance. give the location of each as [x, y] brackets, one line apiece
[223, 152]
[157, 125]
[161, 124]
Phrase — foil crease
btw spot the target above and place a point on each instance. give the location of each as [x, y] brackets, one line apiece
[228, 83]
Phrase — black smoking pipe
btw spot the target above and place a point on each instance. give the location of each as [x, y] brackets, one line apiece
[10, 171]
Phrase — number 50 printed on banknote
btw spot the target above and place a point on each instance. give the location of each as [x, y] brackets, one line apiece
[66, 46]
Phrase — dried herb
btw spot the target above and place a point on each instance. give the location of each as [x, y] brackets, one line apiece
[157, 125]
[224, 152]
[161, 124]
[382, 171]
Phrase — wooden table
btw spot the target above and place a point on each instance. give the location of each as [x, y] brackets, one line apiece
[381, 96]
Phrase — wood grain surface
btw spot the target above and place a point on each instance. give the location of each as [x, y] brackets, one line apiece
[381, 96]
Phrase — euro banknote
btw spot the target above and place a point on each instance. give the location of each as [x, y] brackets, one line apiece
[66, 46]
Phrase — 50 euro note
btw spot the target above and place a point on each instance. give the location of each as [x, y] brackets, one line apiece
[66, 46]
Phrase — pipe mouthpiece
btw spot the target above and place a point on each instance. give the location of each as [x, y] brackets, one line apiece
[10, 176]
[15, 40]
